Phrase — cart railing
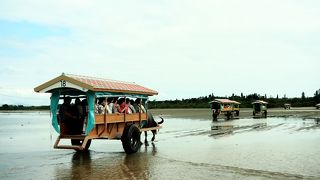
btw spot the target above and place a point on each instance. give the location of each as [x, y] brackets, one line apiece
[118, 118]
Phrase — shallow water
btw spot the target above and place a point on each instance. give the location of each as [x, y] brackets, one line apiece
[272, 148]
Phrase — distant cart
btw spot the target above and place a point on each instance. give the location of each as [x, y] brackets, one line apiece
[227, 107]
[259, 108]
[318, 106]
[287, 106]
[81, 130]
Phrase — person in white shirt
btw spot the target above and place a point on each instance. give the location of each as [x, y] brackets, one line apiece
[137, 104]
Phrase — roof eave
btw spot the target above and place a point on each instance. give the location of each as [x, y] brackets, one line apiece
[59, 78]
[230, 102]
[259, 102]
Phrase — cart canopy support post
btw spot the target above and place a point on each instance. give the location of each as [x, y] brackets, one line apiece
[91, 122]
[54, 100]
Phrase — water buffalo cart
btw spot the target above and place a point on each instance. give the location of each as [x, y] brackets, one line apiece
[226, 107]
[287, 106]
[75, 113]
[259, 109]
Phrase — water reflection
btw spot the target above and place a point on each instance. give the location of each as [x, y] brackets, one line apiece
[81, 165]
[316, 120]
[103, 165]
[220, 130]
[153, 148]
[259, 117]
[140, 165]
[136, 166]
[81, 157]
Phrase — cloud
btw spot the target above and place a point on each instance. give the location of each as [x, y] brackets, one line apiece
[180, 48]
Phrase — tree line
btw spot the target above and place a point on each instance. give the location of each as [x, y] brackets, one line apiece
[273, 102]
[203, 102]
[21, 107]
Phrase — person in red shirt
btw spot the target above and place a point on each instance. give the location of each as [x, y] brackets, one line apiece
[123, 107]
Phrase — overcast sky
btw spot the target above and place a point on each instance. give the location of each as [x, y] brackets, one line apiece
[180, 48]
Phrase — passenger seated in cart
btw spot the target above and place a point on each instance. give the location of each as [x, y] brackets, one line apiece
[96, 105]
[103, 106]
[64, 110]
[79, 108]
[116, 106]
[109, 105]
[135, 106]
[138, 104]
[131, 106]
[122, 106]
[113, 105]
[68, 116]
[100, 106]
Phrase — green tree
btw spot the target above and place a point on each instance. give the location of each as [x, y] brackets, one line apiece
[5, 107]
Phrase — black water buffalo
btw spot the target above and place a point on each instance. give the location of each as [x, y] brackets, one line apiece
[151, 123]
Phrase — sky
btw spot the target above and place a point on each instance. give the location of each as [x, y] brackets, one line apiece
[181, 48]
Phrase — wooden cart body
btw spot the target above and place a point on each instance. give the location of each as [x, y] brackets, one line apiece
[259, 108]
[98, 126]
[227, 107]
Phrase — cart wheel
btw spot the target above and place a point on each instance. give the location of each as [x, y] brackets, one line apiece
[237, 113]
[77, 142]
[131, 139]
[265, 114]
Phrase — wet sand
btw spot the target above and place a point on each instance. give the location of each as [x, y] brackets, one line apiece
[205, 114]
[189, 146]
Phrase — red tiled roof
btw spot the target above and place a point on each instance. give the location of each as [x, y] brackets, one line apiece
[99, 84]
[113, 85]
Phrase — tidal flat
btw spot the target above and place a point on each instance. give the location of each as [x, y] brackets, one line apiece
[285, 145]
